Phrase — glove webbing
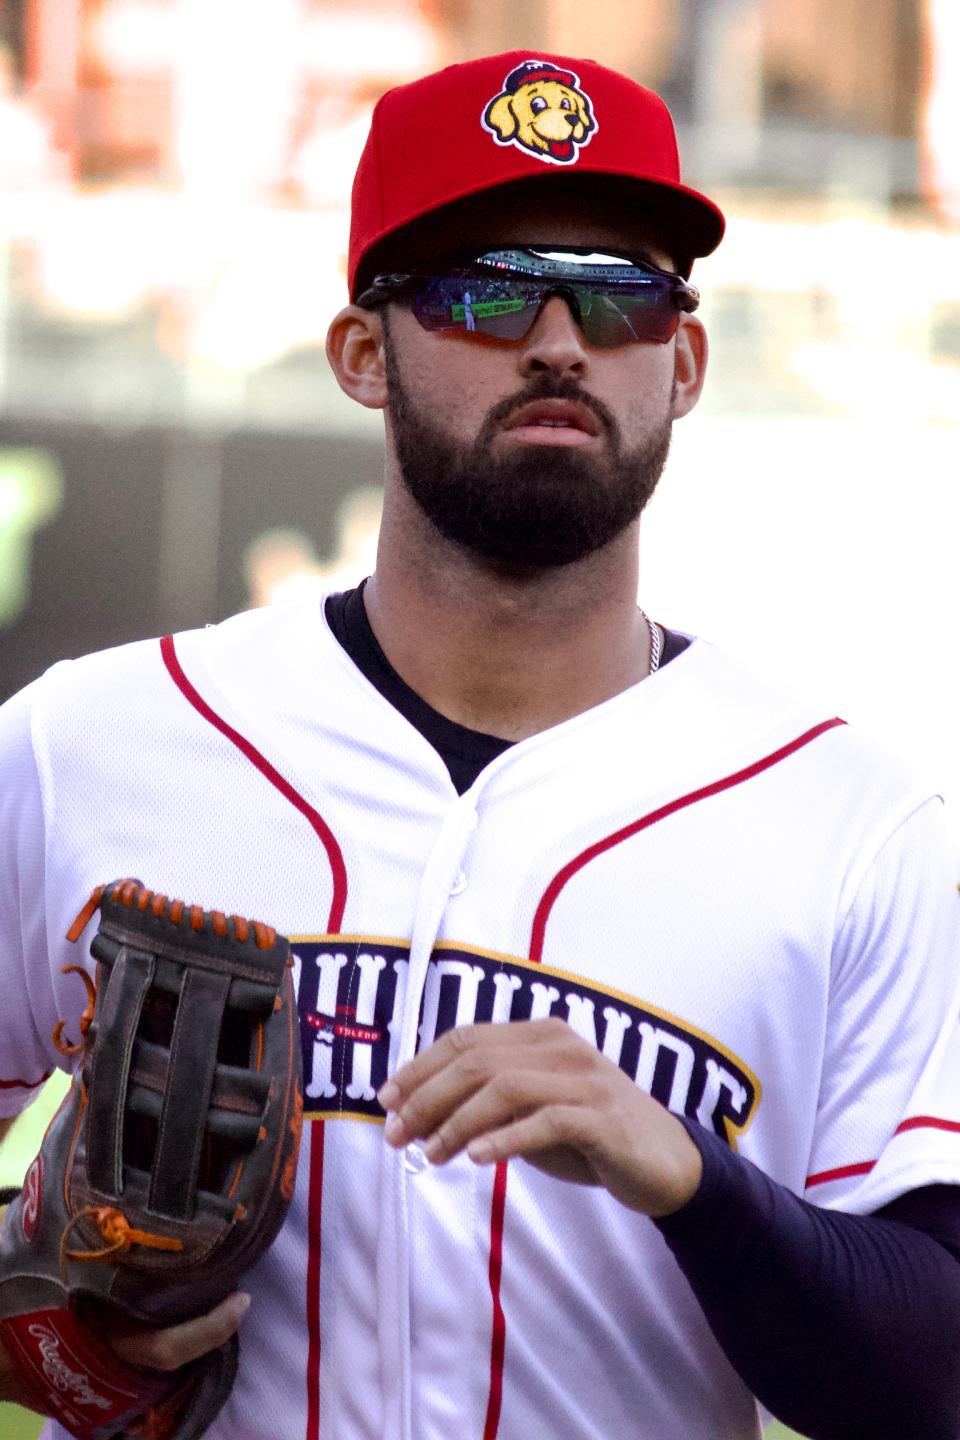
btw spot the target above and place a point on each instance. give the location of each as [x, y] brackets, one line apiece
[201, 1002]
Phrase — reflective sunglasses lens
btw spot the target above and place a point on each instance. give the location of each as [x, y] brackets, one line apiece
[506, 309]
[614, 318]
[498, 308]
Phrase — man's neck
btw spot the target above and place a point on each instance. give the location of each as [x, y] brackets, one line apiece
[508, 655]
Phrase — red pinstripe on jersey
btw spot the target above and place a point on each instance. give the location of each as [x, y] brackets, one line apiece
[313, 1280]
[334, 922]
[927, 1122]
[260, 762]
[537, 935]
[842, 1172]
[609, 841]
[498, 1337]
[863, 1167]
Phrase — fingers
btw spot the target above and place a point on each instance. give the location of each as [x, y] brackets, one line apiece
[464, 1040]
[464, 1062]
[548, 1128]
[537, 1089]
[467, 1046]
[177, 1345]
[479, 1078]
[503, 1100]
[165, 1349]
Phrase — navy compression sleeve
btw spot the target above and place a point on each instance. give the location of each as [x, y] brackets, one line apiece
[847, 1327]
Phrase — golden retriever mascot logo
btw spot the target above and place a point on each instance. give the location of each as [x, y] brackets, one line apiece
[541, 109]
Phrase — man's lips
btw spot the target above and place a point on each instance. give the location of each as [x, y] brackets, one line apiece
[552, 422]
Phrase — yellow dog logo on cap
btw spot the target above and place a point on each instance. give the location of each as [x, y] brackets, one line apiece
[542, 110]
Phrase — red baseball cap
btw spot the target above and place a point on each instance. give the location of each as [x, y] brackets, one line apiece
[484, 123]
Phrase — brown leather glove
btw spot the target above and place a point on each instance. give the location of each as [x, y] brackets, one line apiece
[166, 1172]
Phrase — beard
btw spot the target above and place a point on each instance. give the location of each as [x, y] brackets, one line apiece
[534, 507]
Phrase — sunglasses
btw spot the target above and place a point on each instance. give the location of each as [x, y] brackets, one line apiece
[615, 301]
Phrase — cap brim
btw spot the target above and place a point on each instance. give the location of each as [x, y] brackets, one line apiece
[690, 225]
[696, 224]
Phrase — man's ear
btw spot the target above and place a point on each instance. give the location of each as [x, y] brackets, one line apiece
[690, 364]
[355, 352]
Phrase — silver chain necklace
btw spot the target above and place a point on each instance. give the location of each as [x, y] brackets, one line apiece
[654, 643]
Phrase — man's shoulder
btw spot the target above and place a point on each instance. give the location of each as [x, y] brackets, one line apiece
[143, 677]
[253, 634]
[734, 697]
[730, 695]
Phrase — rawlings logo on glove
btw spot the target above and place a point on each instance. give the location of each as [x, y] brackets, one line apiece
[58, 1372]
[32, 1194]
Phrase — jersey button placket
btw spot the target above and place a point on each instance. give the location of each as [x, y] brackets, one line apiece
[443, 876]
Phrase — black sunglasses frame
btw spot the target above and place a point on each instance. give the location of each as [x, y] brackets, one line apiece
[570, 284]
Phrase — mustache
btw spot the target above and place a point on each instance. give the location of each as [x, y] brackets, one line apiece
[548, 387]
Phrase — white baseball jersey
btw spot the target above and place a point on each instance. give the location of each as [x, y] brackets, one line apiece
[739, 901]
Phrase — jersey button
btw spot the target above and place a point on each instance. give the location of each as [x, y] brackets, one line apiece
[459, 883]
[414, 1159]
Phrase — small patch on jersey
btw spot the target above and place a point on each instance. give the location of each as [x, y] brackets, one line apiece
[543, 112]
[351, 992]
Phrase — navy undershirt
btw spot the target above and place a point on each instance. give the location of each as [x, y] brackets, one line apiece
[465, 752]
[847, 1327]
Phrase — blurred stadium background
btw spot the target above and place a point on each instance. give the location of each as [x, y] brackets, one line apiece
[174, 184]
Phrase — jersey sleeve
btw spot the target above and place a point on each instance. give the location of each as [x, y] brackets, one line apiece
[888, 1117]
[26, 1054]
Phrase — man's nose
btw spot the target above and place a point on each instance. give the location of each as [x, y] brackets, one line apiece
[555, 341]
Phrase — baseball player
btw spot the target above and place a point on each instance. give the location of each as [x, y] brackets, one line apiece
[627, 986]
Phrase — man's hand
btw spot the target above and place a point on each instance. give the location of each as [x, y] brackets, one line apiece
[536, 1089]
[165, 1349]
[177, 1345]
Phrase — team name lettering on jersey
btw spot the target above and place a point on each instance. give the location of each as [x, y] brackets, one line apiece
[351, 993]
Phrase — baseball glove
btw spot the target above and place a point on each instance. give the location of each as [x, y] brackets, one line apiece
[166, 1172]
